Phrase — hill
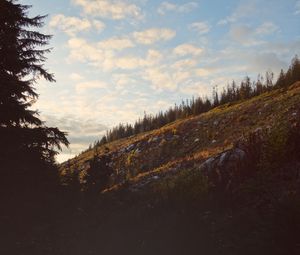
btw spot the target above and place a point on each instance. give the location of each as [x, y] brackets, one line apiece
[188, 142]
[224, 182]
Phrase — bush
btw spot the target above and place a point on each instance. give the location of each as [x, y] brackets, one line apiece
[187, 187]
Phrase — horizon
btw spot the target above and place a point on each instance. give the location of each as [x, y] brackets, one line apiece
[118, 59]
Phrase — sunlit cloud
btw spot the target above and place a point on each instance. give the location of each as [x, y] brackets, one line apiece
[73, 25]
[116, 43]
[200, 27]
[154, 35]
[112, 9]
[81, 87]
[179, 8]
[187, 49]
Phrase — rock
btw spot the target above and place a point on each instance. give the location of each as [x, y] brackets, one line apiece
[122, 150]
[153, 139]
[216, 123]
[168, 136]
[163, 142]
[223, 168]
[130, 147]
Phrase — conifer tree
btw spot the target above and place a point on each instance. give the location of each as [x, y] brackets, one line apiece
[26, 142]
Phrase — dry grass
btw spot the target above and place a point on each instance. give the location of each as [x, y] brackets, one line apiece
[191, 140]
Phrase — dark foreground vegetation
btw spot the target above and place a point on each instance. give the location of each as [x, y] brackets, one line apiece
[190, 213]
[252, 209]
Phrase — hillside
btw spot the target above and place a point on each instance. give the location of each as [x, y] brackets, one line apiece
[224, 182]
[188, 142]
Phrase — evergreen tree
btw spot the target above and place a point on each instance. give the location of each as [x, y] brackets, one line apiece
[26, 143]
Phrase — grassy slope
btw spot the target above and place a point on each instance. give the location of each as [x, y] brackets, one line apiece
[189, 141]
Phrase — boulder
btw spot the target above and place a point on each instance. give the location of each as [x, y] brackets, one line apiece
[224, 168]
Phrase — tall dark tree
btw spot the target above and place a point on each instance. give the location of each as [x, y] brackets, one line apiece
[27, 143]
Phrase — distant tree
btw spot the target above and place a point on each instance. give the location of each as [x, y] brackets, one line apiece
[26, 143]
[280, 83]
[231, 93]
[99, 172]
[295, 70]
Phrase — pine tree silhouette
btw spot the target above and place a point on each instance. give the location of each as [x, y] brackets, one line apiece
[27, 145]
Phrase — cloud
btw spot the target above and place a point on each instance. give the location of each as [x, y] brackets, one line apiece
[265, 61]
[81, 132]
[266, 28]
[153, 35]
[112, 9]
[73, 25]
[184, 8]
[244, 35]
[244, 9]
[248, 36]
[184, 64]
[297, 8]
[203, 72]
[116, 43]
[200, 27]
[160, 79]
[187, 49]
[83, 86]
[76, 77]
[103, 54]
[196, 88]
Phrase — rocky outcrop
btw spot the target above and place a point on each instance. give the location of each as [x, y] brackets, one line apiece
[224, 168]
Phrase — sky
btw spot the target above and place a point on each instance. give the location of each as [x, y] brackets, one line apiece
[113, 60]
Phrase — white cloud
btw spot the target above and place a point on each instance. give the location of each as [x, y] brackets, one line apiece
[102, 55]
[196, 89]
[187, 49]
[184, 8]
[153, 57]
[76, 77]
[128, 63]
[297, 8]
[202, 72]
[113, 9]
[81, 87]
[244, 35]
[116, 43]
[200, 27]
[266, 28]
[153, 35]
[99, 25]
[73, 25]
[83, 51]
[184, 64]
[160, 79]
[248, 36]
[244, 9]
